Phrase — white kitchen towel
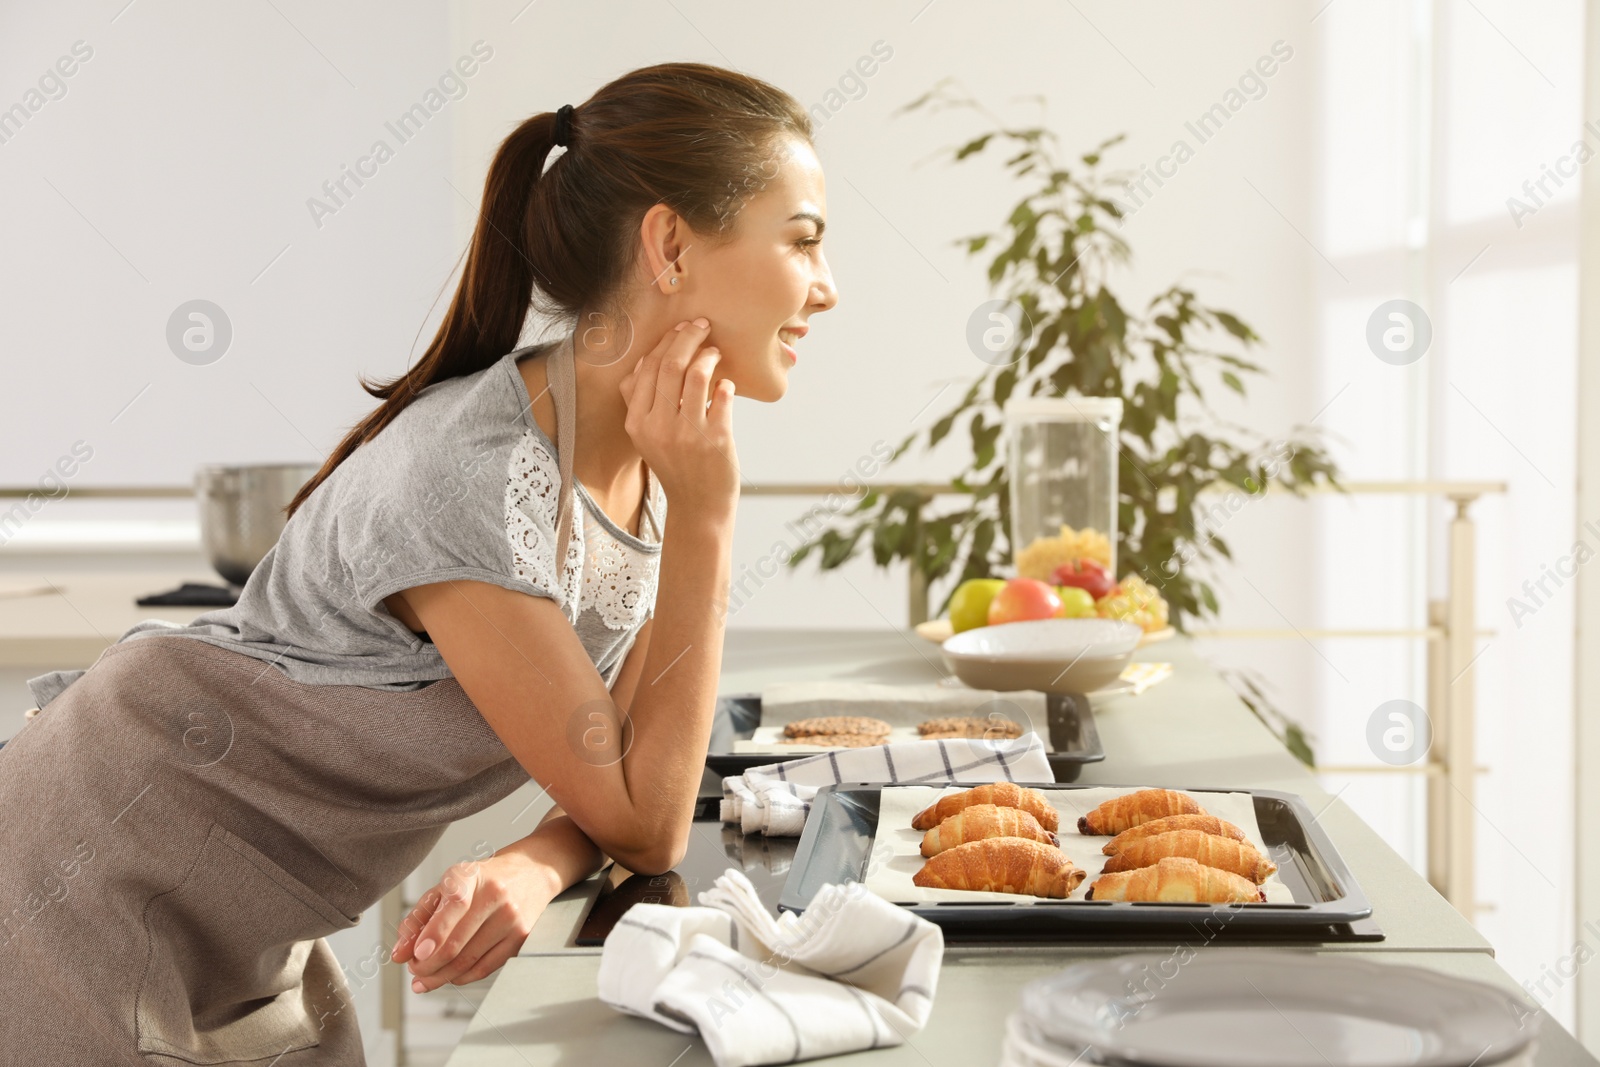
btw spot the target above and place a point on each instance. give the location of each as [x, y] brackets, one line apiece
[851, 972]
[774, 798]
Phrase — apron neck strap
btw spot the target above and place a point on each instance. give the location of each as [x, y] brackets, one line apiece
[563, 383]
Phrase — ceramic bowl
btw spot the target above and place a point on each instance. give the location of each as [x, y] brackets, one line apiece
[1050, 655]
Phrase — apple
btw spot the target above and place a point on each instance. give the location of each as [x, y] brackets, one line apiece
[969, 604]
[1076, 603]
[1021, 599]
[1086, 574]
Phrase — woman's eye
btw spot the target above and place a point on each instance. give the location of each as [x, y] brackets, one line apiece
[809, 241]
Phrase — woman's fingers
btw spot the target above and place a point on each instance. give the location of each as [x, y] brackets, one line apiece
[453, 919]
[494, 959]
[499, 928]
[719, 415]
[656, 381]
[637, 386]
[697, 383]
[675, 364]
[413, 924]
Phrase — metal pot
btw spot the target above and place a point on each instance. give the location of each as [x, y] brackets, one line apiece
[241, 511]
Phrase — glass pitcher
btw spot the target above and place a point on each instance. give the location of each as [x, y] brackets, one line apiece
[1061, 457]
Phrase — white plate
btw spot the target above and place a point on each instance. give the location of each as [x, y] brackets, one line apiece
[1260, 1007]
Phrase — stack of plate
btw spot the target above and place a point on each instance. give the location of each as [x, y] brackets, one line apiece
[1215, 1007]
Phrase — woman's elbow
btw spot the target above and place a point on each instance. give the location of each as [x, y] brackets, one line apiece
[655, 856]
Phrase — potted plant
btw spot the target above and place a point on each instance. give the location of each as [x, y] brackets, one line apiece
[1053, 260]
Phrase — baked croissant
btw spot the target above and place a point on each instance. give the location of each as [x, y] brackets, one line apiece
[1206, 824]
[1002, 865]
[982, 821]
[1003, 794]
[1176, 880]
[1131, 809]
[1223, 853]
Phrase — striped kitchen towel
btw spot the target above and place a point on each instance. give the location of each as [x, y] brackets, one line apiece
[851, 972]
[775, 797]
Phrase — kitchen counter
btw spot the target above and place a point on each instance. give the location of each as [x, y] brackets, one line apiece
[1190, 731]
[543, 1012]
[89, 610]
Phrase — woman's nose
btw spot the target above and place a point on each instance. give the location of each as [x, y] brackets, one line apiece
[826, 296]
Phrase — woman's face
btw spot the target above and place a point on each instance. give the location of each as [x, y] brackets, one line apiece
[771, 277]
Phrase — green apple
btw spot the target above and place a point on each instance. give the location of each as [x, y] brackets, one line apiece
[969, 604]
[1076, 603]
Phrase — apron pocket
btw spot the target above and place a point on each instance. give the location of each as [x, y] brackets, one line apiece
[226, 953]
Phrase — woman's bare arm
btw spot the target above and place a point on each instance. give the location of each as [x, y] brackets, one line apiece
[559, 851]
[564, 851]
[627, 778]
[626, 683]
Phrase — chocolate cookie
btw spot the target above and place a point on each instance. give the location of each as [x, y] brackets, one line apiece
[838, 725]
[969, 726]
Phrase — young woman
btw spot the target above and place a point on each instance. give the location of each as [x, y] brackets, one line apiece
[482, 585]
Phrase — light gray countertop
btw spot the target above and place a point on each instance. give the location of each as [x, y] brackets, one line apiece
[1188, 731]
[543, 1012]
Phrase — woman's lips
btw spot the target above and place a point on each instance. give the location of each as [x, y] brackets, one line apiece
[790, 352]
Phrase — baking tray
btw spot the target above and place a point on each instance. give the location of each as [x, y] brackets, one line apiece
[837, 841]
[1071, 724]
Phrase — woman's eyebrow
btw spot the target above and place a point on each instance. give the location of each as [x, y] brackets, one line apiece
[811, 216]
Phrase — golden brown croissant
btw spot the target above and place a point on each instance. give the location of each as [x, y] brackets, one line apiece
[1223, 853]
[1131, 809]
[1206, 824]
[1176, 880]
[982, 821]
[1003, 794]
[1002, 865]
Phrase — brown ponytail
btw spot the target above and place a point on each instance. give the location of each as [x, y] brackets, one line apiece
[697, 138]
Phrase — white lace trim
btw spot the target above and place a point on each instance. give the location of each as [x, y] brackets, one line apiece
[617, 580]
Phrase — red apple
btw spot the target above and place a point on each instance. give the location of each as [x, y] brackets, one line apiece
[1021, 599]
[1087, 574]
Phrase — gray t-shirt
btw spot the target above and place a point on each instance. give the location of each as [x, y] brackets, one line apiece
[462, 484]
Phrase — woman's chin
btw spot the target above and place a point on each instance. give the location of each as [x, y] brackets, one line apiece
[771, 390]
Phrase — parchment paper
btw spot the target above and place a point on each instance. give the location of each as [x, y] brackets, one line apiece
[901, 706]
[897, 855]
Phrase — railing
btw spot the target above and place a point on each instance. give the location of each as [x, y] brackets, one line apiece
[1451, 764]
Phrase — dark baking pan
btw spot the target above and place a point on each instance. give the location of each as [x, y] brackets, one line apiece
[837, 841]
[1071, 724]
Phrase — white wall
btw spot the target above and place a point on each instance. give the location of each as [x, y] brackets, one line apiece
[194, 161]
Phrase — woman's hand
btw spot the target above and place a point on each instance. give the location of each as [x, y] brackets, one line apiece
[681, 425]
[475, 919]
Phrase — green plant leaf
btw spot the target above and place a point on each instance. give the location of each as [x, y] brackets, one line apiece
[973, 146]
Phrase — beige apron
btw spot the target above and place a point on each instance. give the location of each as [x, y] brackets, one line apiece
[182, 826]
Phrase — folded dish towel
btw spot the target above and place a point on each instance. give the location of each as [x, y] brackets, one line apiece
[851, 972]
[774, 798]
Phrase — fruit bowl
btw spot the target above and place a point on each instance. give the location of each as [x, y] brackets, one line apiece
[1050, 655]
